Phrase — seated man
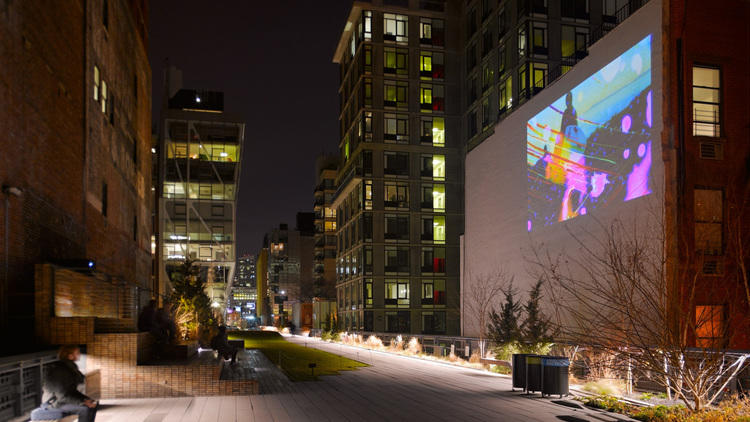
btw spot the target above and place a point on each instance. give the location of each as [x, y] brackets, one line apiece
[220, 343]
[60, 386]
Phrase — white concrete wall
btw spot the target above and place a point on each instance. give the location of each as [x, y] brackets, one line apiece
[496, 172]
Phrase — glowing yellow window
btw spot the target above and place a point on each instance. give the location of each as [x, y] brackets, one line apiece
[425, 62]
[438, 229]
[438, 131]
[438, 167]
[426, 94]
[390, 93]
[438, 198]
[330, 226]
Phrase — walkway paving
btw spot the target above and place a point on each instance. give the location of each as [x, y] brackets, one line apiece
[393, 388]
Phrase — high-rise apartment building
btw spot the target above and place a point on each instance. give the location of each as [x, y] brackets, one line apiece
[75, 108]
[324, 265]
[200, 152]
[399, 202]
[514, 49]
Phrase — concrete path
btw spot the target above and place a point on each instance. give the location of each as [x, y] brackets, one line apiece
[393, 388]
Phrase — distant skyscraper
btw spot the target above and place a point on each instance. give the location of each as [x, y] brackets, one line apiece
[243, 292]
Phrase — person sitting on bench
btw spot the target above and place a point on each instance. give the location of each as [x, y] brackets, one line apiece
[60, 387]
[220, 343]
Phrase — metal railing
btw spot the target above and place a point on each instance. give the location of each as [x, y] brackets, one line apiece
[21, 382]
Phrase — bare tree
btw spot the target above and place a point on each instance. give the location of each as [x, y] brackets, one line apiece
[481, 295]
[614, 295]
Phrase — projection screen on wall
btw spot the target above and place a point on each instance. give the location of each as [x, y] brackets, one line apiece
[592, 147]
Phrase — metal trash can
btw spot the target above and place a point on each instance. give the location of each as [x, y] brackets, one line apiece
[519, 371]
[555, 371]
[533, 373]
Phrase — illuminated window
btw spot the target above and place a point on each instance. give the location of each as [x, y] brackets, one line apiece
[368, 58]
[505, 95]
[368, 291]
[431, 65]
[396, 61]
[396, 128]
[397, 292]
[539, 38]
[438, 167]
[367, 16]
[367, 125]
[396, 94]
[396, 195]
[706, 101]
[709, 325]
[431, 97]
[488, 76]
[104, 97]
[97, 83]
[396, 27]
[523, 80]
[574, 41]
[431, 32]
[433, 292]
[330, 226]
[367, 84]
[368, 194]
[709, 213]
[522, 41]
[438, 229]
[433, 131]
[539, 76]
[438, 198]
[330, 212]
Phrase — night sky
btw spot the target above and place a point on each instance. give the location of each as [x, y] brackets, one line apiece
[273, 61]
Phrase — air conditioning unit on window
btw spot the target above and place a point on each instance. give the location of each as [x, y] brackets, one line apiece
[711, 150]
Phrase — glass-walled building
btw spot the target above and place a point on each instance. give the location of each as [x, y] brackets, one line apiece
[399, 201]
[200, 151]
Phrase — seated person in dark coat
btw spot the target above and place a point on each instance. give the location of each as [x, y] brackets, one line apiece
[148, 316]
[60, 386]
[220, 343]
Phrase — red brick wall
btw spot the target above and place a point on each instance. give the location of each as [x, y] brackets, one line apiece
[117, 357]
[711, 33]
[41, 107]
[59, 149]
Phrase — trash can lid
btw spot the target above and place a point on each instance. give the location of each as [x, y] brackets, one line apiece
[555, 361]
[533, 359]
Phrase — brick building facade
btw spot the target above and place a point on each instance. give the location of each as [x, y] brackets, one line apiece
[707, 158]
[75, 113]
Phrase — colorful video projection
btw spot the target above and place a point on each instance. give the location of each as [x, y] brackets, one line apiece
[591, 148]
